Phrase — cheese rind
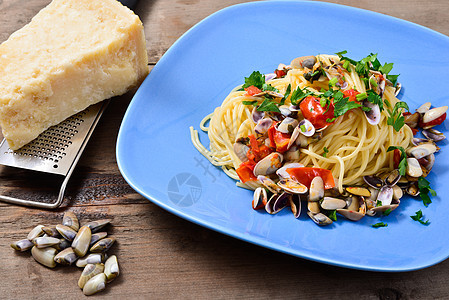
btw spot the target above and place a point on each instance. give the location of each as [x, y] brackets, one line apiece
[74, 53]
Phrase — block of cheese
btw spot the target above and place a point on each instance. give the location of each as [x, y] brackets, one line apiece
[72, 54]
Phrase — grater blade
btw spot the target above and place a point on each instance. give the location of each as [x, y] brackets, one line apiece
[55, 151]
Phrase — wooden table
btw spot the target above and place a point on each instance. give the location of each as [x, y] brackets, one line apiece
[161, 255]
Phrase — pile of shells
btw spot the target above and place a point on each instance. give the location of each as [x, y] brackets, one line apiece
[68, 244]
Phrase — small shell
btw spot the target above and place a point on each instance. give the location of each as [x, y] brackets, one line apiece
[97, 225]
[269, 184]
[316, 192]
[419, 141]
[303, 62]
[424, 108]
[288, 112]
[263, 125]
[81, 242]
[66, 257]
[373, 181]
[292, 186]
[70, 220]
[287, 125]
[35, 232]
[413, 167]
[43, 242]
[22, 245]
[282, 172]
[392, 178]
[256, 115]
[111, 268]
[97, 236]
[67, 232]
[44, 256]
[295, 205]
[356, 211]
[306, 128]
[93, 258]
[385, 195]
[398, 88]
[433, 114]
[63, 244]
[422, 150]
[427, 162]
[331, 203]
[433, 134]
[397, 193]
[51, 231]
[90, 270]
[102, 245]
[292, 154]
[313, 206]
[241, 151]
[95, 284]
[413, 189]
[373, 115]
[357, 190]
[269, 164]
[412, 120]
[319, 218]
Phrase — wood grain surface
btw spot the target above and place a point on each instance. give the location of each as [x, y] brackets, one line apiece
[162, 256]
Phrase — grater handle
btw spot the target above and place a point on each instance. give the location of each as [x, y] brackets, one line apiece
[29, 203]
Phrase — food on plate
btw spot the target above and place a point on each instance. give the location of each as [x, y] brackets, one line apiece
[328, 131]
[72, 54]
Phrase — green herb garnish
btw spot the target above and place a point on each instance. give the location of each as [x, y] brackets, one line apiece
[256, 78]
[424, 189]
[419, 217]
[326, 151]
[268, 105]
[396, 119]
[403, 160]
[249, 102]
[380, 224]
[299, 94]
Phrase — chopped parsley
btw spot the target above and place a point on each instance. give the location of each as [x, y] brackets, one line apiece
[380, 224]
[375, 99]
[299, 94]
[303, 128]
[326, 151]
[420, 218]
[254, 102]
[332, 214]
[387, 212]
[424, 189]
[286, 94]
[395, 118]
[403, 160]
[256, 78]
[268, 105]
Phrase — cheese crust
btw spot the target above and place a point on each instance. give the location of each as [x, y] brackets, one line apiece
[73, 53]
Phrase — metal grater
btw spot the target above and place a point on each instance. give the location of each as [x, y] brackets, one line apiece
[55, 151]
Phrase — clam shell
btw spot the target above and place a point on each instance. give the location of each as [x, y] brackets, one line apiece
[35, 232]
[43, 242]
[95, 284]
[97, 225]
[44, 256]
[66, 257]
[282, 172]
[67, 232]
[433, 114]
[22, 245]
[97, 236]
[102, 245]
[269, 164]
[51, 231]
[292, 186]
[316, 192]
[69, 219]
[93, 258]
[260, 198]
[295, 205]
[424, 108]
[413, 167]
[330, 203]
[81, 241]
[90, 270]
[111, 268]
[319, 218]
[269, 184]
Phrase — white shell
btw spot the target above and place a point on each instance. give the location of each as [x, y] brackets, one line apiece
[269, 164]
[282, 172]
[413, 167]
[422, 150]
[433, 114]
[424, 108]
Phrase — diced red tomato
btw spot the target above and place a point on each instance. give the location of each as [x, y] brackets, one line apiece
[351, 93]
[245, 171]
[396, 158]
[435, 122]
[257, 149]
[280, 73]
[278, 140]
[252, 90]
[315, 113]
[305, 176]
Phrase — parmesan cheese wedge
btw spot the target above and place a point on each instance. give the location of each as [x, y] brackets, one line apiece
[72, 54]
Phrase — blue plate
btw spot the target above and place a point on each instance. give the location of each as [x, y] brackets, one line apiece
[157, 158]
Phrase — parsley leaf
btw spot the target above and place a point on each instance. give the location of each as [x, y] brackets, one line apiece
[299, 94]
[396, 119]
[375, 99]
[286, 94]
[380, 224]
[342, 105]
[386, 68]
[340, 54]
[332, 214]
[326, 151]
[393, 79]
[268, 105]
[403, 162]
[268, 87]
[424, 189]
[254, 102]
[387, 212]
[256, 78]
[419, 217]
